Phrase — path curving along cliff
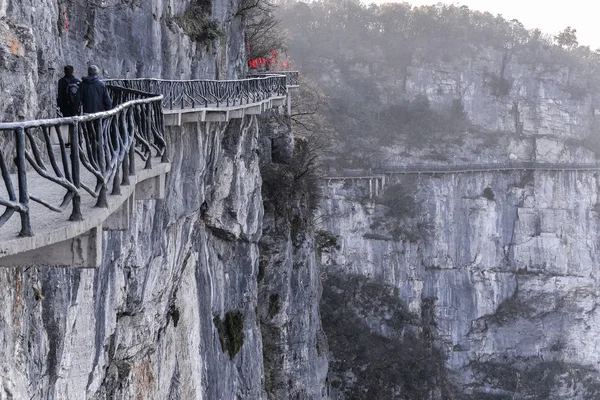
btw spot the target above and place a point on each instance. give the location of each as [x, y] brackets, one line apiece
[123, 150]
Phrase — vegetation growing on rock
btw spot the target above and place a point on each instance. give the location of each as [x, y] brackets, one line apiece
[326, 242]
[401, 219]
[373, 62]
[518, 379]
[380, 350]
[196, 23]
[231, 332]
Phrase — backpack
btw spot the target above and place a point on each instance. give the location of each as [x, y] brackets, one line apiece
[72, 89]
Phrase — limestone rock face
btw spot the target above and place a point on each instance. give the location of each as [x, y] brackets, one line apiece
[513, 278]
[126, 39]
[141, 325]
[151, 322]
[510, 258]
[294, 345]
[289, 278]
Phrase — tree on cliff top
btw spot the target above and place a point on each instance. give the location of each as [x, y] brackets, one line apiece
[261, 27]
[567, 38]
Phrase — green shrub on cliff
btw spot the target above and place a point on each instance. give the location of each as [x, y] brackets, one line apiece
[231, 331]
[196, 24]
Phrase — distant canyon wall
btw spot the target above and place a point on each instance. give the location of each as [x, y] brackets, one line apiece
[509, 259]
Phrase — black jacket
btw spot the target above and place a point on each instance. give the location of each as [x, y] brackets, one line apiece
[67, 110]
[94, 95]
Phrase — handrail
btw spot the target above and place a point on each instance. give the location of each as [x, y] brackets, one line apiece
[208, 93]
[112, 80]
[425, 168]
[105, 144]
[4, 126]
[292, 77]
[512, 165]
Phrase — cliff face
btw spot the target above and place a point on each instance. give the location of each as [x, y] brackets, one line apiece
[142, 325]
[126, 39]
[294, 345]
[508, 258]
[172, 311]
[289, 278]
[517, 108]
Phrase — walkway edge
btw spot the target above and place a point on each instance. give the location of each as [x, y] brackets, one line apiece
[91, 224]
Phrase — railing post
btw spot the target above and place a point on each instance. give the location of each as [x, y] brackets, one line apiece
[116, 136]
[157, 115]
[131, 131]
[148, 122]
[22, 176]
[126, 138]
[75, 170]
[101, 152]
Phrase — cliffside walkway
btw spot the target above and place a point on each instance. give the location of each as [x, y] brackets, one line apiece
[377, 178]
[64, 199]
[218, 101]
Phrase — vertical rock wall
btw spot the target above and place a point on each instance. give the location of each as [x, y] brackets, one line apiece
[294, 345]
[289, 278]
[152, 321]
[514, 279]
[126, 39]
[141, 325]
[510, 259]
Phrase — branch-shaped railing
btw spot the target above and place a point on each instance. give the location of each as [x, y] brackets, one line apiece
[104, 144]
[292, 77]
[208, 93]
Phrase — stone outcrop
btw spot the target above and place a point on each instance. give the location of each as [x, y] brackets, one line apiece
[289, 278]
[294, 345]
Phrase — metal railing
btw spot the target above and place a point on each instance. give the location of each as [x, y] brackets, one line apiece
[292, 77]
[208, 93]
[104, 144]
[507, 166]
[443, 169]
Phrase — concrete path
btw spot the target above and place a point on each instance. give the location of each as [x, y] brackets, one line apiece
[50, 227]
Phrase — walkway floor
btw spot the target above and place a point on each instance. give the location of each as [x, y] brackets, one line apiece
[51, 227]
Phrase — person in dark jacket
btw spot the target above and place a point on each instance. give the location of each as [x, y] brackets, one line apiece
[67, 99]
[93, 93]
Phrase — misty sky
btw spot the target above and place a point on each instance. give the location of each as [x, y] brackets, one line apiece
[551, 16]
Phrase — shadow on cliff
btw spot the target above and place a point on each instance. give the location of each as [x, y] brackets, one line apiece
[379, 349]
